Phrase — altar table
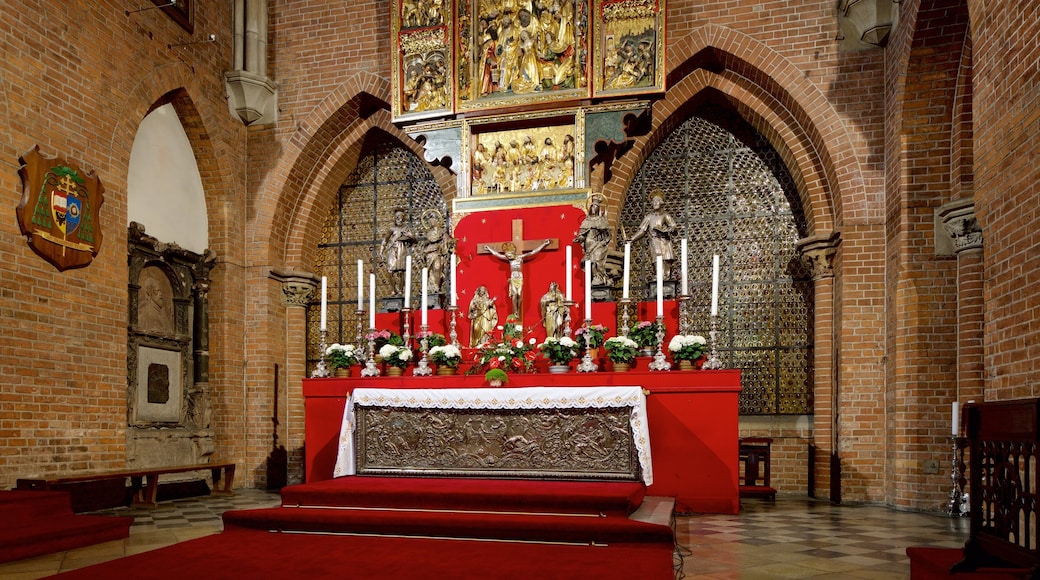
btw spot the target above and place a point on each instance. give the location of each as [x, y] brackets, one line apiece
[692, 420]
[496, 399]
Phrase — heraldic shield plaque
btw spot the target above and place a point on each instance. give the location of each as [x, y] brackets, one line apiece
[59, 212]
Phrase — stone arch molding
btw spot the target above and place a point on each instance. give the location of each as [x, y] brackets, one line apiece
[791, 111]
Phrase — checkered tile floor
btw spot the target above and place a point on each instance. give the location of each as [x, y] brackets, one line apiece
[789, 538]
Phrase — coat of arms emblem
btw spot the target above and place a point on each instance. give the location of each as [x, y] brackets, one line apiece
[58, 214]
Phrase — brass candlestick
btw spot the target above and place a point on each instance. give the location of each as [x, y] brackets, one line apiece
[453, 336]
[406, 317]
[586, 365]
[660, 363]
[713, 362]
[423, 368]
[567, 305]
[371, 370]
[321, 371]
[685, 314]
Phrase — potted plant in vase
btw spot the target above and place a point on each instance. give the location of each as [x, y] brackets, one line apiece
[560, 352]
[645, 335]
[621, 351]
[686, 348]
[341, 357]
[446, 357]
[396, 357]
[591, 337]
[496, 377]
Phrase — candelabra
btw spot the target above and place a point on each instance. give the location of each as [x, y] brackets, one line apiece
[371, 370]
[957, 505]
[659, 363]
[321, 371]
[713, 362]
[360, 339]
[586, 365]
[423, 368]
[567, 305]
[626, 307]
[685, 314]
[453, 335]
[406, 317]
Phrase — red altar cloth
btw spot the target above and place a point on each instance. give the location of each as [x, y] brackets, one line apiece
[692, 417]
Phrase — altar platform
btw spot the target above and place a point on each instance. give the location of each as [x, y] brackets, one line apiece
[692, 418]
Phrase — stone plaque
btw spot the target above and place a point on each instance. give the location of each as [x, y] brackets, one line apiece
[159, 385]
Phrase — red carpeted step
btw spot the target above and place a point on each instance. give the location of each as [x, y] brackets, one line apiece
[257, 554]
[37, 536]
[511, 526]
[18, 505]
[620, 498]
[935, 563]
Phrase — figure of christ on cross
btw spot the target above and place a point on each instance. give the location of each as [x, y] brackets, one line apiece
[514, 252]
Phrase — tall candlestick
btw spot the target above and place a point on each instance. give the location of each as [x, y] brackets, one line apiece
[588, 289]
[685, 271]
[371, 300]
[628, 259]
[715, 285]
[360, 285]
[407, 281]
[454, 280]
[567, 274]
[425, 277]
[956, 419]
[660, 286]
[324, 303]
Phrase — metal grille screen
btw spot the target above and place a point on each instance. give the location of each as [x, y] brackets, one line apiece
[731, 195]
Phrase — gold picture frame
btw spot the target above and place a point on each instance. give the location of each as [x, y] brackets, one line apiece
[514, 54]
[629, 48]
[422, 79]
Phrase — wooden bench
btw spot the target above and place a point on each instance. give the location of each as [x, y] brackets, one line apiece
[144, 482]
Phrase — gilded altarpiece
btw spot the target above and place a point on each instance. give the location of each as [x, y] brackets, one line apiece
[423, 75]
[629, 48]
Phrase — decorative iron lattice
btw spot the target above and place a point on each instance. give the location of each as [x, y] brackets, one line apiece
[731, 195]
[387, 177]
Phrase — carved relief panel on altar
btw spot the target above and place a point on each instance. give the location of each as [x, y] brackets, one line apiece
[423, 78]
[629, 48]
[517, 52]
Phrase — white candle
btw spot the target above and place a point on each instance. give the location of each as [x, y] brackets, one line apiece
[454, 279]
[425, 277]
[685, 272]
[567, 274]
[660, 286]
[956, 419]
[588, 289]
[372, 301]
[360, 285]
[628, 259]
[324, 303]
[407, 281]
[715, 285]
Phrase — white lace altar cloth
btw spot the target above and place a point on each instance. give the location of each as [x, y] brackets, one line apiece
[520, 398]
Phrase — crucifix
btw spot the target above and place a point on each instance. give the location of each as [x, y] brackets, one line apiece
[514, 252]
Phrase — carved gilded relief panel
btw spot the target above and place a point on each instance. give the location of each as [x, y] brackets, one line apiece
[423, 76]
[629, 48]
[515, 52]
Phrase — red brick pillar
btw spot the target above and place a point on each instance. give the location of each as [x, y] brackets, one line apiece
[818, 255]
[958, 219]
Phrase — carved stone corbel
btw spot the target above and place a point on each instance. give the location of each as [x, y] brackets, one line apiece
[817, 253]
[297, 287]
[959, 222]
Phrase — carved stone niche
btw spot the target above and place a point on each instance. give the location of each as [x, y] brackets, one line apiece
[168, 401]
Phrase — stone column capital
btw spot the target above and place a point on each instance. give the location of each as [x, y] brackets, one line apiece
[297, 287]
[958, 219]
[817, 253]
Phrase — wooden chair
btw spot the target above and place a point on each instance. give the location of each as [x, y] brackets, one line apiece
[755, 460]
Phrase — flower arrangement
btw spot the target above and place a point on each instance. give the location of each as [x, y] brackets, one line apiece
[621, 349]
[507, 351]
[396, 355]
[496, 377]
[341, 356]
[591, 337]
[687, 346]
[559, 351]
[447, 355]
[384, 337]
[645, 333]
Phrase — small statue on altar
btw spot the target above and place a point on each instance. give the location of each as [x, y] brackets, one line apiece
[554, 311]
[516, 275]
[435, 246]
[483, 317]
[661, 227]
[594, 236]
[396, 246]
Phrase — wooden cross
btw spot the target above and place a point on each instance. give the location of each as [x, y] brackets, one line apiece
[519, 242]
